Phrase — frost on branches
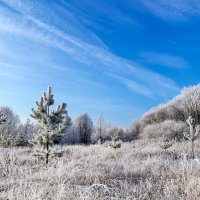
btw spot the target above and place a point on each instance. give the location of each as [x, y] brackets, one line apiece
[2, 118]
[193, 133]
[52, 125]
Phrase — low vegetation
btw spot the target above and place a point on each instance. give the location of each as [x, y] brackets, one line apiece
[138, 170]
[153, 159]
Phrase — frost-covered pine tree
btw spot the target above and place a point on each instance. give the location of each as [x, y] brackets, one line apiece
[115, 144]
[52, 125]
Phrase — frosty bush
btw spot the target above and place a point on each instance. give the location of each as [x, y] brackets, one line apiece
[132, 132]
[9, 128]
[113, 131]
[24, 134]
[165, 143]
[2, 118]
[187, 103]
[155, 115]
[169, 129]
[178, 109]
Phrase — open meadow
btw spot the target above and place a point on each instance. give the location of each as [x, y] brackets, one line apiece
[139, 170]
[99, 100]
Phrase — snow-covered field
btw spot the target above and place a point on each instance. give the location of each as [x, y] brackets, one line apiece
[138, 170]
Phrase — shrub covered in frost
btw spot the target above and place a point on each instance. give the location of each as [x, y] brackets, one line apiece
[177, 109]
[12, 131]
[169, 129]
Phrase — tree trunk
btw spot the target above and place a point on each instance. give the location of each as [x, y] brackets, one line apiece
[47, 154]
[192, 149]
[100, 135]
[47, 158]
[47, 146]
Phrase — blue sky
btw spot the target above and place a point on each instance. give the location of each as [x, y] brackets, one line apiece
[116, 57]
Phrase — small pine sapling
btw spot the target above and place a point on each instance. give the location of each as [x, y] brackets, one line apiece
[114, 143]
[52, 125]
[193, 133]
[99, 141]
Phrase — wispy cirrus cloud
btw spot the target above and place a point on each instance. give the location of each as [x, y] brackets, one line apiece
[106, 12]
[163, 59]
[133, 85]
[79, 43]
[176, 10]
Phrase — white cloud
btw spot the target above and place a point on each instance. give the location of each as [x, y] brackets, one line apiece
[163, 59]
[134, 86]
[87, 49]
[100, 11]
[176, 10]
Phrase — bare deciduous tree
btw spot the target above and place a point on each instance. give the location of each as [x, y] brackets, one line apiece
[84, 125]
[99, 130]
